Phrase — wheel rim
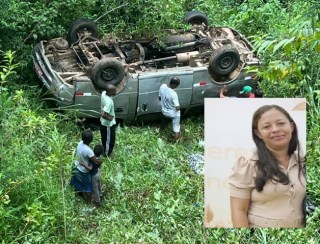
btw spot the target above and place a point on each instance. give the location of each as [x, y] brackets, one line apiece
[226, 62]
[84, 31]
[108, 74]
[196, 22]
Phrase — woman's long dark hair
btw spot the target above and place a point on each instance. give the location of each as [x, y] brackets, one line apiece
[267, 164]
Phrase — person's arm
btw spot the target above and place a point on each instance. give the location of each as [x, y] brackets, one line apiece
[107, 116]
[160, 93]
[239, 212]
[96, 160]
[89, 167]
[222, 91]
[175, 101]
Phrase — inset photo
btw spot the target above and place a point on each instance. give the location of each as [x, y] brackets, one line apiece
[255, 167]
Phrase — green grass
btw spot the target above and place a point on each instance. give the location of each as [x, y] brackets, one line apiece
[151, 195]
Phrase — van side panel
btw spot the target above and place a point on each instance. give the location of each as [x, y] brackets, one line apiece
[149, 85]
[125, 103]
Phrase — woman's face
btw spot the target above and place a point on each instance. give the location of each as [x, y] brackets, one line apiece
[275, 129]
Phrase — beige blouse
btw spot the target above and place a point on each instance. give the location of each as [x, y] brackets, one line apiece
[277, 205]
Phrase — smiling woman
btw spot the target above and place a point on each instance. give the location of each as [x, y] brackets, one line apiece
[267, 188]
[273, 127]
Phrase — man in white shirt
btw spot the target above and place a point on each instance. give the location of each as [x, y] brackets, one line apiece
[170, 104]
[108, 121]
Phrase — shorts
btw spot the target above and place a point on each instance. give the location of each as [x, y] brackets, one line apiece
[81, 182]
[175, 116]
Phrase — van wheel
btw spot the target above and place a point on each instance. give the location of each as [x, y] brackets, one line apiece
[223, 61]
[196, 18]
[107, 71]
[82, 27]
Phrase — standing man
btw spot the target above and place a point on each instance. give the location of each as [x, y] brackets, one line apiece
[170, 106]
[108, 121]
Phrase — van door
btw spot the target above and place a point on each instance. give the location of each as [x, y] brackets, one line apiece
[87, 99]
[149, 85]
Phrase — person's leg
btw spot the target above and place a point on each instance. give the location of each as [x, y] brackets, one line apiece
[95, 185]
[88, 197]
[99, 185]
[163, 122]
[79, 182]
[87, 186]
[103, 133]
[176, 136]
[176, 127]
[100, 190]
[111, 139]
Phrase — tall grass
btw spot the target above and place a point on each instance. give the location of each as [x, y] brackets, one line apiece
[151, 195]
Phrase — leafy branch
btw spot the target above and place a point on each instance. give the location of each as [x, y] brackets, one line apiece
[7, 69]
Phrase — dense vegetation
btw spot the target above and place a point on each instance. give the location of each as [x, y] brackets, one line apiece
[152, 195]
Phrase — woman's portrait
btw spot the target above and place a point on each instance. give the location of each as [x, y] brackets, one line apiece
[265, 183]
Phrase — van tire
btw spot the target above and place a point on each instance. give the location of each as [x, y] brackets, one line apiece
[80, 26]
[107, 71]
[223, 61]
[196, 18]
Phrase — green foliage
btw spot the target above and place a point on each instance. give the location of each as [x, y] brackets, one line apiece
[292, 69]
[292, 63]
[7, 70]
[255, 17]
[30, 188]
[150, 192]
[24, 23]
[141, 16]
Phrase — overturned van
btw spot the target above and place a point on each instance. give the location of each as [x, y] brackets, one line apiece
[77, 69]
